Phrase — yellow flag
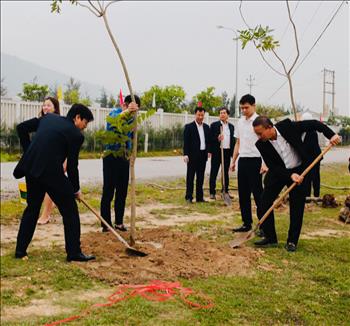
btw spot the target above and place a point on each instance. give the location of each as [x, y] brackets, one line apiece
[59, 93]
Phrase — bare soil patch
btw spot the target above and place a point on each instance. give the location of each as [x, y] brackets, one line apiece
[181, 255]
[52, 232]
[52, 305]
[45, 235]
[326, 233]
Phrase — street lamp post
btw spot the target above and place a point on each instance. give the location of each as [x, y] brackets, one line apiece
[236, 82]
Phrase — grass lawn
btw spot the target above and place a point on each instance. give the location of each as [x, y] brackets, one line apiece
[308, 287]
[10, 157]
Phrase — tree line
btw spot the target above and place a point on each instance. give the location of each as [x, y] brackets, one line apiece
[171, 98]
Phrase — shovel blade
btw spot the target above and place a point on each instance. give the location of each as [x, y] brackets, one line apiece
[134, 252]
[239, 240]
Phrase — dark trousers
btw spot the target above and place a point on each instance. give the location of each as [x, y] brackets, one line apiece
[196, 166]
[61, 192]
[115, 183]
[215, 164]
[272, 187]
[313, 178]
[249, 181]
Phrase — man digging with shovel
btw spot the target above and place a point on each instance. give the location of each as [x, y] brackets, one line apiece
[282, 150]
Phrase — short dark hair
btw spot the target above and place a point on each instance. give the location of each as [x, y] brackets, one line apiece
[56, 105]
[128, 100]
[83, 111]
[262, 121]
[247, 99]
[224, 108]
[199, 108]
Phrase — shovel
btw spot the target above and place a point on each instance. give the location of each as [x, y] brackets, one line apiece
[251, 234]
[225, 196]
[129, 250]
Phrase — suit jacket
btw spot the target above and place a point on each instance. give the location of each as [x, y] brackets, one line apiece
[291, 132]
[192, 141]
[215, 132]
[24, 129]
[311, 144]
[56, 139]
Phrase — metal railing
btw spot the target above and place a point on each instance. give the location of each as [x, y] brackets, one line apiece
[14, 112]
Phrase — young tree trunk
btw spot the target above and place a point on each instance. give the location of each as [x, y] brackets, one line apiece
[292, 97]
[134, 141]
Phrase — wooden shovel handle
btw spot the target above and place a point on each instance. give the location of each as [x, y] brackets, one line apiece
[105, 223]
[291, 187]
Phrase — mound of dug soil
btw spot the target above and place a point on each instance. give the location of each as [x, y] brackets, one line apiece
[171, 254]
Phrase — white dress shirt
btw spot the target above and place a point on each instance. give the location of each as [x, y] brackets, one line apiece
[226, 132]
[287, 153]
[247, 137]
[201, 135]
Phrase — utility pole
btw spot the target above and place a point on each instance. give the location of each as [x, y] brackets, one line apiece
[250, 83]
[328, 81]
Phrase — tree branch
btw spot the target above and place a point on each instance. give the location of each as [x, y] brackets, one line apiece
[240, 11]
[281, 61]
[290, 84]
[296, 38]
[97, 13]
[261, 54]
[110, 3]
[93, 6]
[99, 4]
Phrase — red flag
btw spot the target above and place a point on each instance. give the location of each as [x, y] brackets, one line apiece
[121, 97]
[199, 104]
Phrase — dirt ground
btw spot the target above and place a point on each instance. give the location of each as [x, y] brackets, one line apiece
[171, 254]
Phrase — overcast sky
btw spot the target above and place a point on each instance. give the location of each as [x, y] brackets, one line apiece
[168, 43]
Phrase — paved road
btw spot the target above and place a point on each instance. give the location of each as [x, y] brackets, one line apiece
[146, 169]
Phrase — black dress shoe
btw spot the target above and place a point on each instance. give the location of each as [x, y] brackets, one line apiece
[266, 242]
[120, 228]
[290, 246]
[105, 229]
[201, 201]
[20, 254]
[212, 197]
[243, 228]
[80, 257]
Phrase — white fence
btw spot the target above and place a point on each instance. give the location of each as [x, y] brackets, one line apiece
[14, 112]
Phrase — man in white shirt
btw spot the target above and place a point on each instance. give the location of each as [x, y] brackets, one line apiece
[195, 150]
[286, 156]
[250, 165]
[218, 138]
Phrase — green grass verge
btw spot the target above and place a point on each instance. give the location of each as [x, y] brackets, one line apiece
[12, 157]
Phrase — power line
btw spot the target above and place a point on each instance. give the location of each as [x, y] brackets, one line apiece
[307, 54]
[310, 21]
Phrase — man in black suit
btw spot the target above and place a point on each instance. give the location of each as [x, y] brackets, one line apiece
[310, 140]
[56, 139]
[285, 155]
[226, 139]
[196, 148]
